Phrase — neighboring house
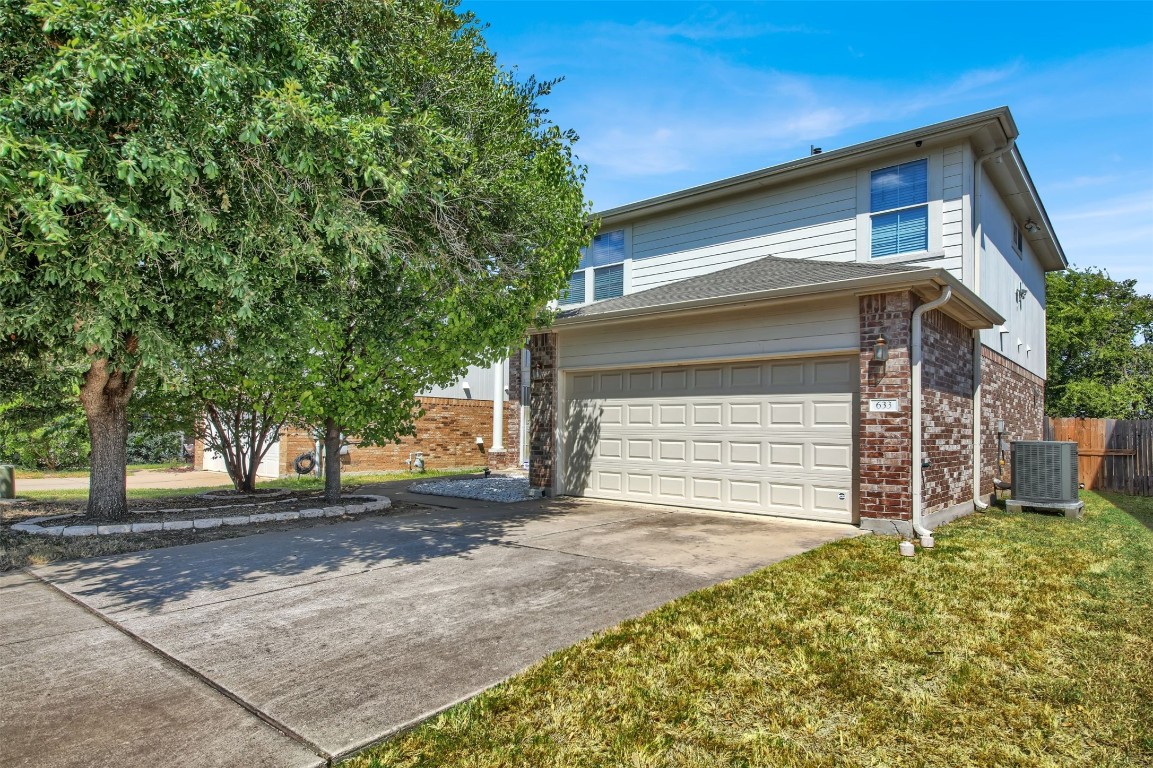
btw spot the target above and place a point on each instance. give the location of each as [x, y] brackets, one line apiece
[718, 347]
[458, 429]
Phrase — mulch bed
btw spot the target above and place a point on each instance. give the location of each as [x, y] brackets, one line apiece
[19, 550]
[179, 508]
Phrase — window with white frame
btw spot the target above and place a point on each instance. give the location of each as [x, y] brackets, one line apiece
[1018, 239]
[603, 260]
[898, 204]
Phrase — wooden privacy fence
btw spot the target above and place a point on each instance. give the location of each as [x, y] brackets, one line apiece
[1112, 455]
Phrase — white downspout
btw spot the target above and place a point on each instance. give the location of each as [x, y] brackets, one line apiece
[978, 250]
[925, 534]
[979, 505]
[497, 407]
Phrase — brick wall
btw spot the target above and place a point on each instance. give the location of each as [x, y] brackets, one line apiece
[542, 407]
[446, 434]
[884, 440]
[947, 412]
[1016, 395]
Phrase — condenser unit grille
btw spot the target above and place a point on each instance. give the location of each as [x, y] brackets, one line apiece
[1045, 471]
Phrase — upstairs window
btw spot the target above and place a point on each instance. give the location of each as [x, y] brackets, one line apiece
[605, 257]
[576, 289]
[1018, 240]
[899, 197]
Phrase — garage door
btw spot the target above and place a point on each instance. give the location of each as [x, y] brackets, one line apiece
[774, 437]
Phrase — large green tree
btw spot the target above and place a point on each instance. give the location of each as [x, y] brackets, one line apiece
[163, 166]
[1100, 359]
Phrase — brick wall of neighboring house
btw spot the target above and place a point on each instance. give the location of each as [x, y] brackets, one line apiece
[197, 453]
[1016, 395]
[542, 407]
[446, 435]
[947, 412]
[884, 442]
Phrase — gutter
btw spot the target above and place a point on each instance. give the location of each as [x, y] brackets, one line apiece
[920, 463]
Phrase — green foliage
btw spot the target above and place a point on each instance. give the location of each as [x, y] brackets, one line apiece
[60, 443]
[167, 170]
[145, 448]
[1100, 364]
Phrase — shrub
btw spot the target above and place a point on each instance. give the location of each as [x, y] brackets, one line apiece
[146, 448]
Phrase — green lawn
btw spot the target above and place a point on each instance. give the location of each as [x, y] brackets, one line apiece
[1022, 640]
[292, 483]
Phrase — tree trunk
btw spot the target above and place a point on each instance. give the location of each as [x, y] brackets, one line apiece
[105, 396]
[331, 460]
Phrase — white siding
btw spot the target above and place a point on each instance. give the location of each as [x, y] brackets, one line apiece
[479, 383]
[1002, 273]
[952, 208]
[822, 325]
[807, 219]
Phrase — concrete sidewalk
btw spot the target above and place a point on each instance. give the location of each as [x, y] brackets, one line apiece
[344, 634]
[142, 478]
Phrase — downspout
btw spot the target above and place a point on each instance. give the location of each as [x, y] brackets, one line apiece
[978, 250]
[925, 534]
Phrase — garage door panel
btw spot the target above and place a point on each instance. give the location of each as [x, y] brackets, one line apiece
[773, 437]
[746, 415]
[675, 415]
[706, 451]
[672, 450]
[640, 450]
[611, 383]
[707, 415]
[745, 454]
[832, 457]
[786, 414]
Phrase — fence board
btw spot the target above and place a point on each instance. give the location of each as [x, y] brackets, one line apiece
[1112, 455]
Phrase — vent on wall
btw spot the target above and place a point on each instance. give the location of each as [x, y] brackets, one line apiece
[1044, 471]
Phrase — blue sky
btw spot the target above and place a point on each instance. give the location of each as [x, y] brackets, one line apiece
[671, 94]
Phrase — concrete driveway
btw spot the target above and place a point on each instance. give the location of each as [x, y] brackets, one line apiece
[295, 647]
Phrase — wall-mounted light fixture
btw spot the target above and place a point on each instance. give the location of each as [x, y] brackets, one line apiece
[1032, 226]
[881, 349]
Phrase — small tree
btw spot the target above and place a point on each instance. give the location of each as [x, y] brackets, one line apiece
[1100, 362]
[468, 255]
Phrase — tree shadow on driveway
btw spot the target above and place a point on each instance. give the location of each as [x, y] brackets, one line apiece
[177, 578]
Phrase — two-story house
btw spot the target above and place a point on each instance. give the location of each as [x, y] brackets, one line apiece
[846, 337]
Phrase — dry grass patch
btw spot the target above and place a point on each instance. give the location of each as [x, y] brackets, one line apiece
[1023, 640]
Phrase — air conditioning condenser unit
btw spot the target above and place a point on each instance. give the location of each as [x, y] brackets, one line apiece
[1045, 477]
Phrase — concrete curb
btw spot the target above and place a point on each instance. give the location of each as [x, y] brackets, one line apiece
[33, 526]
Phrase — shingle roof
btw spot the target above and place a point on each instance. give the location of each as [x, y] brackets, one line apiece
[765, 274]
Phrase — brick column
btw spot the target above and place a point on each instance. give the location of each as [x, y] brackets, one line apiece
[885, 440]
[542, 410]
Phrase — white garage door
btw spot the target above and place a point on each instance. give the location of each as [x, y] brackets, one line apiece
[770, 437]
[269, 466]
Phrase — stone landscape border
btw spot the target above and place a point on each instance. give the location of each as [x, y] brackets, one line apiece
[376, 504]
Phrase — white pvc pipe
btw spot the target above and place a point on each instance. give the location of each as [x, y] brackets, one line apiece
[497, 407]
[978, 504]
[925, 534]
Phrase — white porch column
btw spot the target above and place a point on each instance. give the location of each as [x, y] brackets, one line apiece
[497, 407]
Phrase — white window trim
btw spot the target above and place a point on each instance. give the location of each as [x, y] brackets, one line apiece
[935, 204]
[627, 278]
